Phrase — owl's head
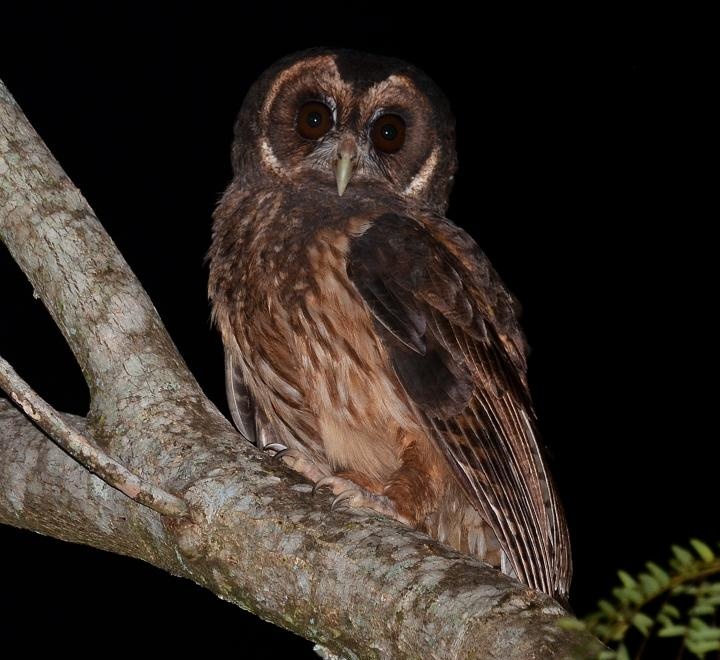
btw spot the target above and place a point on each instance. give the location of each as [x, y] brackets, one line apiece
[345, 122]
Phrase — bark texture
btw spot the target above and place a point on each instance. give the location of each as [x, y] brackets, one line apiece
[360, 585]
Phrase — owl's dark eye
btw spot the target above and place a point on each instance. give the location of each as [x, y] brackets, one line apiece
[314, 120]
[388, 133]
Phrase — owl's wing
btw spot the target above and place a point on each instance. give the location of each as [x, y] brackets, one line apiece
[452, 358]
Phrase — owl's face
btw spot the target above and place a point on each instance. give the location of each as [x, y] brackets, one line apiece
[342, 121]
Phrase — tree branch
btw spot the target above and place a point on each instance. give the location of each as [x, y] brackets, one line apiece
[82, 449]
[361, 585]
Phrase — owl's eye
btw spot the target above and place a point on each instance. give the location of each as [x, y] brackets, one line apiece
[388, 133]
[314, 120]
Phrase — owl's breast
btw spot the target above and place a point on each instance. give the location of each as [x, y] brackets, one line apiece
[314, 358]
[359, 407]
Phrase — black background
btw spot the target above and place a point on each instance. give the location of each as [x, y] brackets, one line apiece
[577, 177]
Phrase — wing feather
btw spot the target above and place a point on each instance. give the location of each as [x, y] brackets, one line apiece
[242, 405]
[455, 352]
[249, 419]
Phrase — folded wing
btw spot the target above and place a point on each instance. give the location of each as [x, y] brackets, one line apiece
[448, 345]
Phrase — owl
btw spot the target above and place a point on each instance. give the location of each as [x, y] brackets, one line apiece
[367, 338]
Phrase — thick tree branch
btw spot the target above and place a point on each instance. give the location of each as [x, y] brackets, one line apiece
[361, 585]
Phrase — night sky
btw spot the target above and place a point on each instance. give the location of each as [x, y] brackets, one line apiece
[573, 139]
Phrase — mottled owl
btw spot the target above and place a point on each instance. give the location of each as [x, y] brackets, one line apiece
[367, 338]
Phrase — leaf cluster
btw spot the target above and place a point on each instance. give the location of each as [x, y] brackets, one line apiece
[681, 601]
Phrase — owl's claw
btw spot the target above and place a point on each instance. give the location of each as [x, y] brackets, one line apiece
[297, 460]
[287, 452]
[274, 446]
[349, 494]
[362, 499]
[345, 495]
[325, 482]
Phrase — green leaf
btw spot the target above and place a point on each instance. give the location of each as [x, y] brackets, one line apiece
[702, 610]
[706, 634]
[622, 653]
[698, 624]
[664, 620]
[627, 580]
[628, 595]
[643, 623]
[649, 584]
[670, 610]
[621, 595]
[607, 655]
[701, 648]
[683, 556]
[658, 573]
[703, 550]
[607, 608]
[672, 631]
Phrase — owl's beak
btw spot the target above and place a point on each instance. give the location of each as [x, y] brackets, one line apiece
[347, 154]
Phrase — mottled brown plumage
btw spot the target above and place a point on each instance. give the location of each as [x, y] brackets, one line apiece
[363, 330]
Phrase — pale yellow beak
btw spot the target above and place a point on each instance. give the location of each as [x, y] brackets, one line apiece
[347, 153]
[343, 172]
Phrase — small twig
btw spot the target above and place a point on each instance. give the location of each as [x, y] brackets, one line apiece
[84, 451]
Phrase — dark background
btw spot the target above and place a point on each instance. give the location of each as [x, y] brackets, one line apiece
[577, 177]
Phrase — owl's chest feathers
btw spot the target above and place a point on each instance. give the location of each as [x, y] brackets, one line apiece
[311, 350]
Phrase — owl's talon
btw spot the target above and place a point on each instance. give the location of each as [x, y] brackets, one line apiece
[345, 495]
[351, 495]
[325, 482]
[296, 459]
[287, 452]
[275, 446]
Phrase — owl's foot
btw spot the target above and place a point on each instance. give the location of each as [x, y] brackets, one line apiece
[349, 494]
[298, 461]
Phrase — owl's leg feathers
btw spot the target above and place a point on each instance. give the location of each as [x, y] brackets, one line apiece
[411, 493]
[418, 484]
[349, 479]
[300, 462]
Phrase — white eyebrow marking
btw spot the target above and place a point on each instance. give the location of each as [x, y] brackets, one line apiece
[389, 87]
[269, 157]
[392, 81]
[318, 62]
[422, 178]
[291, 71]
[328, 67]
